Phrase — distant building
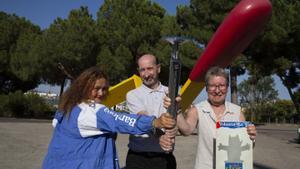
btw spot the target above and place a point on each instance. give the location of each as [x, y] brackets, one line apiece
[121, 107]
[50, 98]
[47, 95]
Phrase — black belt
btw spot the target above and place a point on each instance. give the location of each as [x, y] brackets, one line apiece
[150, 154]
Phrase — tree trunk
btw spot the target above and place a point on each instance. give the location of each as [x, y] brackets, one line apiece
[233, 86]
[294, 100]
[252, 112]
[62, 85]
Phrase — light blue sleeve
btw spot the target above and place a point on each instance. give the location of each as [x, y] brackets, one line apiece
[112, 121]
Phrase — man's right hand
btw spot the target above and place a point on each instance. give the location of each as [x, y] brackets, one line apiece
[166, 143]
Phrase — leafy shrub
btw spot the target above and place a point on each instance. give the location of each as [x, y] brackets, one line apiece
[3, 106]
[37, 106]
[17, 104]
[25, 106]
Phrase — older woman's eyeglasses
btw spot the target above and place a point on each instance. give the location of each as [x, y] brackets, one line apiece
[215, 86]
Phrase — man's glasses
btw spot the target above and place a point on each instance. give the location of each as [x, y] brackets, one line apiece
[214, 86]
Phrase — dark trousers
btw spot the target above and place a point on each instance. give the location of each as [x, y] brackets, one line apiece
[150, 160]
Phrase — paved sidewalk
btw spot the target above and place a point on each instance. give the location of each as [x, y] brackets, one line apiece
[277, 147]
[23, 144]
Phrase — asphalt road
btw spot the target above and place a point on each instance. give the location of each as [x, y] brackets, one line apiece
[23, 144]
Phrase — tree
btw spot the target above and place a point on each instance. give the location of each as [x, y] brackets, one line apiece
[129, 26]
[105, 60]
[17, 36]
[139, 26]
[68, 47]
[284, 110]
[238, 67]
[188, 51]
[255, 93]
[277, 51]
[24, 63]
[200, 20]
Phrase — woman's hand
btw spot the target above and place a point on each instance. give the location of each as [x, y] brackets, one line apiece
[251, 130]
[167, 101]
[164, 121]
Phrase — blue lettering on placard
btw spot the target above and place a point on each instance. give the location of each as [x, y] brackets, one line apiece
[233, 165]
[234, 124]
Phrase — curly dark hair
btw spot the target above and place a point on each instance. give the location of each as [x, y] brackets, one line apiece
[80, 89]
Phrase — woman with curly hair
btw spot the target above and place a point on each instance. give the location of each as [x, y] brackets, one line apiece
[85, 130]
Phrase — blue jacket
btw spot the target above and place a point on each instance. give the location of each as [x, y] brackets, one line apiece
[86, 138]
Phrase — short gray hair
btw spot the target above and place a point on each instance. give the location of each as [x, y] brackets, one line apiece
[216, 71]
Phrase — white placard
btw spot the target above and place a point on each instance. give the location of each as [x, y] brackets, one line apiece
[233, 146]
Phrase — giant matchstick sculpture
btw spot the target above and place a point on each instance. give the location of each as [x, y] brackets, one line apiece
[235, 33]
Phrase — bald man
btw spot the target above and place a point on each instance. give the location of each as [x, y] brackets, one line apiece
[145, 151]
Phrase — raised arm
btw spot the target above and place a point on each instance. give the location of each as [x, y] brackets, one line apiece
[109, 120]
[187, 124]
[98, 119]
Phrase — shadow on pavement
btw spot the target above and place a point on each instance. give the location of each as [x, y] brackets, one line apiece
[261, 166]
[255, 166]
[294, 141]
[24, 120]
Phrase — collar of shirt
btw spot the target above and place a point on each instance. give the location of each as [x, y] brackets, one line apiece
[158, 89]
[208, 109]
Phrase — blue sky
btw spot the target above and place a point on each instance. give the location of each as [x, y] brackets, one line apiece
[44, 12]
